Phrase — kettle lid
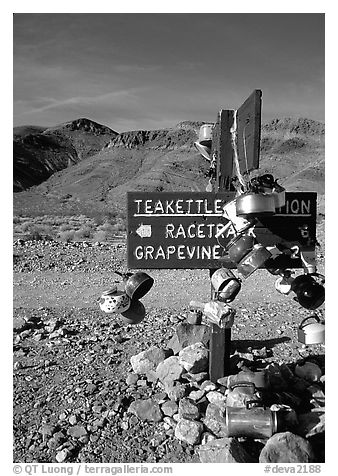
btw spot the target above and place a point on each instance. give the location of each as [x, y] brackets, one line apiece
[313, 328]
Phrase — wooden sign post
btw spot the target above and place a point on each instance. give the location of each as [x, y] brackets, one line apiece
[178, 230]
[246, 124]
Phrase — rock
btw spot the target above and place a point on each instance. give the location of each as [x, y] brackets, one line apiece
[217, 398]
[311, 423]
[187, 409]
[19, 324]
[189, 431]
[317, 394]
[90, 388]
[196, 395]
[208, 386]
[194, 358]
[262, 353]
[160, 397]
[169, 370]
[246, 356]
[77, 431]
[215, 420]
[132, 379]
[169, 408]
[195, 378]
[148, 360]
[146, 410]
[169, 422]
[47, 430]
[207, 437]
[62, 455]
[72, 420]
[194, 317]
[286, 448]
[188, 334]
[59, 437]
[308, 371]
[224, 450]
[52, 444]
[176, 392]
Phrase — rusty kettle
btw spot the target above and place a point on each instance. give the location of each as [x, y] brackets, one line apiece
[240, 246]
[136, 285]
[135, 314]
[225, 284]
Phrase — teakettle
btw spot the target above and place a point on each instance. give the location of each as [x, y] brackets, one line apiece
[311, 333]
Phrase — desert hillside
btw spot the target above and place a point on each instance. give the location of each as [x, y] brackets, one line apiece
[89, 168]
[40, 152]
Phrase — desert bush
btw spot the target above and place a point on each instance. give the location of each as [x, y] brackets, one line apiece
[65, 227]
[83, 232]
[28, 226]
[118, 227]
[67, 235]
[39, 232]
[107, 227]
[100, 236]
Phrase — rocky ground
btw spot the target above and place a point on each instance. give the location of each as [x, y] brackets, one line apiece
[76, 392]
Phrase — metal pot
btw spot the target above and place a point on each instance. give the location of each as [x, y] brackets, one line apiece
[255, 204]
[255, 423]
[205, 134]
[278, 193]
[114, 301]
[225, 284]
[204, 150]
[310, 294]
[135, 314]
[282, 285]
[240, 247]
[243, 393]
[138, 285]
[239, 223]
[313, 333]
[253, 260]
[259, 378]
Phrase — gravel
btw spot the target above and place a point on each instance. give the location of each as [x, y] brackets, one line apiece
[72, 377]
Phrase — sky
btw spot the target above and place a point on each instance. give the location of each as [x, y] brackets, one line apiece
[133, 71]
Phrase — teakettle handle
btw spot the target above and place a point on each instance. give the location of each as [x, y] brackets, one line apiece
[309, 317]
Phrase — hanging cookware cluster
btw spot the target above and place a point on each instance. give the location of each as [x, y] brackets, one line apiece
[126, 301]
[243, 249]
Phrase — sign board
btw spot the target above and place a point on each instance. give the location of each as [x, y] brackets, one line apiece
[249, 132]
[177, 230]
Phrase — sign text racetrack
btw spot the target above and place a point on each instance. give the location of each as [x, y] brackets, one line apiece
[179, 229]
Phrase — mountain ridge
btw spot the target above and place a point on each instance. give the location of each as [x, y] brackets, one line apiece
[166, 160]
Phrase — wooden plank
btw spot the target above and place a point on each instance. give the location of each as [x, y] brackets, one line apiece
[220, 339]
[249, 132]
[219, 358]
[185, 239]
[222, 148]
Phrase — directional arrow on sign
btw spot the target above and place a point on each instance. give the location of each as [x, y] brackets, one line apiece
[144, 231]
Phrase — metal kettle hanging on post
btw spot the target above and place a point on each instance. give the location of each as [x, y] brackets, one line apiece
[309, 290]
